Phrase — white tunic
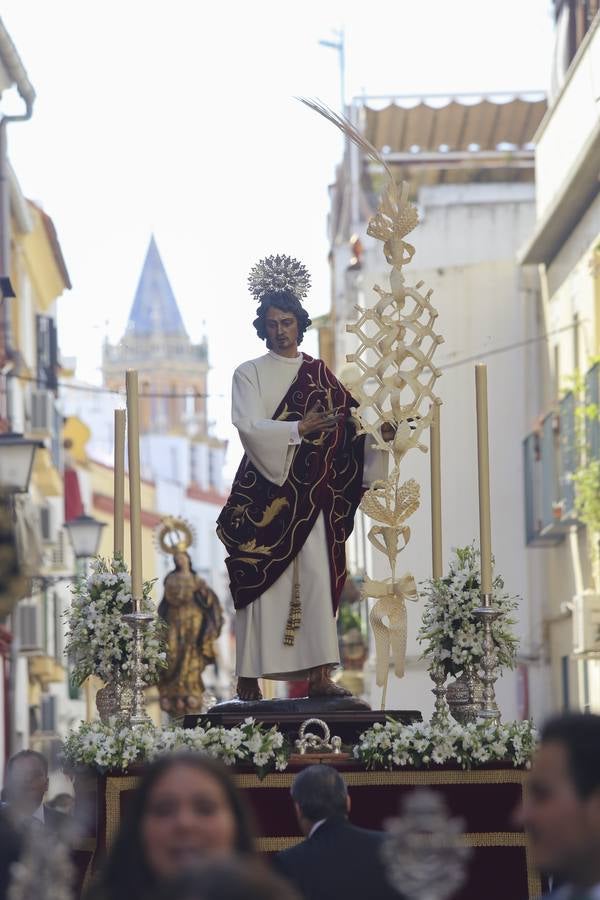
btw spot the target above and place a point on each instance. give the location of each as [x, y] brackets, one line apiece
[258, 388]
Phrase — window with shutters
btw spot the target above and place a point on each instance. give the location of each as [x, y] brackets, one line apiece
[592, 420]
[48, 713]
[29, 628]
[46, 353]
[549, 460]
[569, 453]
[544, 523]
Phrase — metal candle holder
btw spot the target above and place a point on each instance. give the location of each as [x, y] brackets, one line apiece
[441, 711]
[487, 614]
[135, 713]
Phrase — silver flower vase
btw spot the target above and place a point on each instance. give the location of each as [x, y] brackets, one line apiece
[465, 696]
[108, 702]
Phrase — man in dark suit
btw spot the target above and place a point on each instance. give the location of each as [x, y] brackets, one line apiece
[561, 806]
[24, 790]
[337, 859]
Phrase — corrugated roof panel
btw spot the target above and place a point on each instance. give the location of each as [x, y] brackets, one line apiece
[486, 123]
[448, 125]
[479, 124]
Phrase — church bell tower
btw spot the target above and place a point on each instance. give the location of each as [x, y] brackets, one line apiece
[172, 369]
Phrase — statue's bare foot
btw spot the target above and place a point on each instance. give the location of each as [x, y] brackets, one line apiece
[248, 689]
[321, 685]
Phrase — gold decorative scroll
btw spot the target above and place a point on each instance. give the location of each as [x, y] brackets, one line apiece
[396, 345]
[394, 385]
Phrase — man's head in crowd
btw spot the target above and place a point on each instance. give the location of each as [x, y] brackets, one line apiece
[26, 781]
[319, 792]
[561, 807]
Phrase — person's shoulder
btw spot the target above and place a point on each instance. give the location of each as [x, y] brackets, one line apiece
[291, 855]
[359, 831]
[249, 367]
[297, 850]
[320, 365]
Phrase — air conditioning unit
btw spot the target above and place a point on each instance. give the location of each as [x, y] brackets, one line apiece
[29, 633]
[42, 412]
[586, 622]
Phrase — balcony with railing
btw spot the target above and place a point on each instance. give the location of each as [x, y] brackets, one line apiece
[552, 455]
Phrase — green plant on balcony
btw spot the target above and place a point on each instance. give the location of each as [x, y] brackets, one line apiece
[587, 494]
[586, 477]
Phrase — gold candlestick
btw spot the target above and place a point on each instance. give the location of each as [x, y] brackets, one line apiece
[436, 493]
[136, 714]
[135, 496]
[119, 486]
[483, 467]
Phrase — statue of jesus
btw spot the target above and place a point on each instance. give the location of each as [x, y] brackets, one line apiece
[294, 496]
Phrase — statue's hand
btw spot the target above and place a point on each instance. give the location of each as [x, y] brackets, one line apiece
[388, 432]
[318, 419]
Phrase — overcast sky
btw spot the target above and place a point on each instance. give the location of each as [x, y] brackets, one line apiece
[177, 117]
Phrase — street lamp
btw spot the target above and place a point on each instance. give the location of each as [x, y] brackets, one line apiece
[16, 462]
[85, 533]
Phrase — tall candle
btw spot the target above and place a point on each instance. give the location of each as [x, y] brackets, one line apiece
[483, 468]
[436, 493]
[119, 489]
[135, 499]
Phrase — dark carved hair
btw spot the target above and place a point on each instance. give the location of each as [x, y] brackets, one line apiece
[286, 302]
[320, 792]
[579, 733]
[126, 873]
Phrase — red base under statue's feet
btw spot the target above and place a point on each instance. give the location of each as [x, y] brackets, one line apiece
[248, 689]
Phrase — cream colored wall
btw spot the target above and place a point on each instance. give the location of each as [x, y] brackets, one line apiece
[570, 285]
[573, 119]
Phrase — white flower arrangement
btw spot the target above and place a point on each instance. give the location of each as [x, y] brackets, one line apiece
[420, 746]
[116, 747]
[393, 745]
[98, 641]
[450, 630]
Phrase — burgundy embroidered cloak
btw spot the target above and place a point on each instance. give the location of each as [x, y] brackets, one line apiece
[264, 525]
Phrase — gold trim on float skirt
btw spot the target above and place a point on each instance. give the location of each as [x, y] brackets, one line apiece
[276, 844]
[397, 777]
[114, 789]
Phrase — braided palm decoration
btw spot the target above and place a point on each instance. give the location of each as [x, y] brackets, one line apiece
[395, 384]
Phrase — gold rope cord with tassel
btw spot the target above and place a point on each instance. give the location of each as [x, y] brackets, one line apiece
[295, 615]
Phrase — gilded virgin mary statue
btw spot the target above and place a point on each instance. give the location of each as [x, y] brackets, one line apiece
[194, 619]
